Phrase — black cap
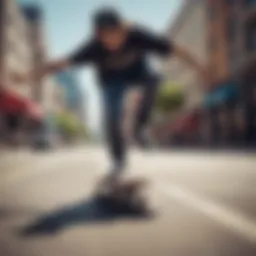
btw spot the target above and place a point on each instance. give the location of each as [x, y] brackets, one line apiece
[107, 18]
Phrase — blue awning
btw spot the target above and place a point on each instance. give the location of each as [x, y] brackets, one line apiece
[225, 93]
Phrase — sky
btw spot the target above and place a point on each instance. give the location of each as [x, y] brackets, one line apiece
[68, 24]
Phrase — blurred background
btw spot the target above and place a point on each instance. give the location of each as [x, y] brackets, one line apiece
[62, 114]
[65, 108]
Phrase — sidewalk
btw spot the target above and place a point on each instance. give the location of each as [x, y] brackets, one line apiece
[16, 158]
[13, 158]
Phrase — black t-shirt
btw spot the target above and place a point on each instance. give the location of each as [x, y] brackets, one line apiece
[129, 63]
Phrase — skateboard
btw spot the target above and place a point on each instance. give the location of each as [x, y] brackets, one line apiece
[127, 196]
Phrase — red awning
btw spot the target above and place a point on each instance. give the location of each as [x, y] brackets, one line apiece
[13, 103]
[34, 111]
[186, 123]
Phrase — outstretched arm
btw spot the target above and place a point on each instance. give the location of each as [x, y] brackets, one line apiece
[164, 47]
[81, 56]
[52, 67]
[47, 69]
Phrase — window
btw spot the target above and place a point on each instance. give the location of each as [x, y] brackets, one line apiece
[231, 30]
[212, 11]
[11, 47]
[231, 39]
[251, 36]
[250, 2]
[9, 19]
[231, 2]
[212, 44]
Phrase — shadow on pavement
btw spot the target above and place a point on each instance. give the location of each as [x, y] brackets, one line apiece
[91, 211]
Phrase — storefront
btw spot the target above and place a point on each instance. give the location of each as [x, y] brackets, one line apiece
[221, 105]
[248, 101]
[183, 130]
[19, 117]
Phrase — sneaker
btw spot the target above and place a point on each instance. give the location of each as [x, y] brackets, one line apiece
[142, 139]
[115, 173]
[117, 168]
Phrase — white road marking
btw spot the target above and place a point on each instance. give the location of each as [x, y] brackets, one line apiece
[229, 218]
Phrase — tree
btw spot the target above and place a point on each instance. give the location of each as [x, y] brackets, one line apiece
[70, 126]
[170, 97]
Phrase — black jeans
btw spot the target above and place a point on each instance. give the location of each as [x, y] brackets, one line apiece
[114, 93]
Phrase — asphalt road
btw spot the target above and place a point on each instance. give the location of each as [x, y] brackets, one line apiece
[205, 206]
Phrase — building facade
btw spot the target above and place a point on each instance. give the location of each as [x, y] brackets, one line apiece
[189, 31]
[15, 46]
[222, 35]
[22, 48]
[75, 99]
[36, 37]
[53, 97]
[231, 35]
[231, 49]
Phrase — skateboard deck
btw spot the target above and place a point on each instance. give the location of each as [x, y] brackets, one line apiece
[127, 195]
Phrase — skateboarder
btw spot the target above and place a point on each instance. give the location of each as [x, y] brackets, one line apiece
[119, 53]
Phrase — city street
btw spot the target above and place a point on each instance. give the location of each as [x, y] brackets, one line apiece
[205, 205]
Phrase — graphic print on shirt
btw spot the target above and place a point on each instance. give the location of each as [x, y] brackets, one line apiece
[121, 60]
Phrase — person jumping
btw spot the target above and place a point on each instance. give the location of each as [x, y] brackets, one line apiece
[119, 53]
